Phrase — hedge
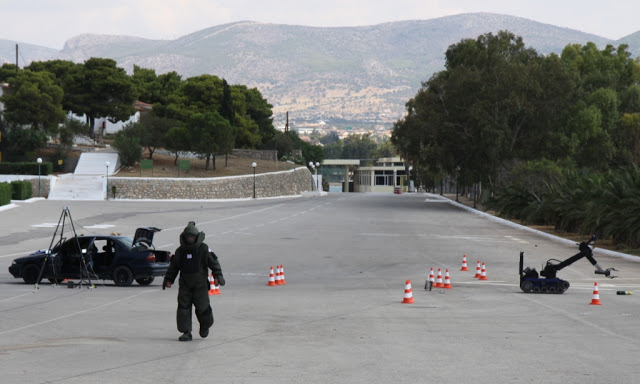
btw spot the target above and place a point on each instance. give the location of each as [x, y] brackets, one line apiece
[25, 168]
[5, 193]
[22, 190]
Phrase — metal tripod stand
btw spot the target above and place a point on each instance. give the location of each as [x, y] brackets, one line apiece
[64, 216]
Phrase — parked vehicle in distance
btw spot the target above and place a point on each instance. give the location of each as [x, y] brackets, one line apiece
[97, 257]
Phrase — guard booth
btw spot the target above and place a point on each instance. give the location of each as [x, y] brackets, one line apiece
[348, 165]
[387, 175]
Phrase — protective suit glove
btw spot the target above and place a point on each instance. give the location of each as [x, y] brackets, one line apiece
[166, 284]
[220, 279]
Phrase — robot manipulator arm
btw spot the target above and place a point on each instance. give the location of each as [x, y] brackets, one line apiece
[588, 253]
[550, 269]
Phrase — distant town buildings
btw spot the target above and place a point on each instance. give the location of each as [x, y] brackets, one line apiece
[310, 131]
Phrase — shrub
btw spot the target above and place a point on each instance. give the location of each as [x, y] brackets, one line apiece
[25, 168]
[128, 147]
[21, 190]
[5, 193]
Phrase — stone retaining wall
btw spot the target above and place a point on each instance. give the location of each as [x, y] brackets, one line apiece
[284, 183]
[256, 154]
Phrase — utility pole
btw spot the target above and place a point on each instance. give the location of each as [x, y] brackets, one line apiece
[286, 125]
[17, 59]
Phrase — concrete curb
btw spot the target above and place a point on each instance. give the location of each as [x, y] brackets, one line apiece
[522, 227]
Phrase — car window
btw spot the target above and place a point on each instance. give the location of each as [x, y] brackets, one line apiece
[126, 241]
[101, 245]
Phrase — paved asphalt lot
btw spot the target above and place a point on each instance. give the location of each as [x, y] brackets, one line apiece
[339, 318]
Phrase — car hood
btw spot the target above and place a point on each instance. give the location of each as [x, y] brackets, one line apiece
[32, 256]
[145, 235]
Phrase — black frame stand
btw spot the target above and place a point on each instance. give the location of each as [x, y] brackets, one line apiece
[64, 216]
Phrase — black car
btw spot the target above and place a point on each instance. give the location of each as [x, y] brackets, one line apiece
[118, 258]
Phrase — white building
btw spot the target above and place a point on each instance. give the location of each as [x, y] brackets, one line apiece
[387, 174]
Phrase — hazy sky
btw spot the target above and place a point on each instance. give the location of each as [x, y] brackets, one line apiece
[51, 22]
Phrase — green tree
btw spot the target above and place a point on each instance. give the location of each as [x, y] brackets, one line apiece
[7, 71]
[247, 133]
[127, 143]
[71, 128]
[385, 149]
[312, 153]
[19, 141]
[250, 104]
[35, 101]
[208, 132]
[106, 91]
[245, 109]
[333, 150]
[200, 94]
[630, 122]
[225, 137]
[155, 89]
[177, 141]
[69, 76]
[226, 108]
[153, 131]
[330, 138]
[283, 143]
[146, 84]
[359, 147]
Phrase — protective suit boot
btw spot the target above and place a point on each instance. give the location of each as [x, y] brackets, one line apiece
[206, 321]
[185, 337]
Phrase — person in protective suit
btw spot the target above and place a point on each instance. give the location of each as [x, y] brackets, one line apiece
[193, 259]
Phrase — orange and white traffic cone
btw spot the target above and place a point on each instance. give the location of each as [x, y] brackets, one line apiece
[478, 271]
[278, 276]
[408, 293]
[282, 280]
[439, 280]
[272, 279]
[211, 286]
[431, 278]
[483, 272]
[447, 281]
[595, 299]
[464, 263]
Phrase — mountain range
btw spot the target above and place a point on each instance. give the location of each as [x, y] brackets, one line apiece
[342, 75]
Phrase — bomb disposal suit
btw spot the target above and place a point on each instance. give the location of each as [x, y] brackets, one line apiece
[192, 260]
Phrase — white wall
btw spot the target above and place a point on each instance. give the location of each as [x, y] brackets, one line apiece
[110, 128]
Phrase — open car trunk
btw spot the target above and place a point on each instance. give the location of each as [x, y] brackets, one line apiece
[143, 240]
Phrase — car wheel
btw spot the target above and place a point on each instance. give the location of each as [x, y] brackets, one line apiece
[122, 276]
[30, 274]
[55, 281]
[145, 280]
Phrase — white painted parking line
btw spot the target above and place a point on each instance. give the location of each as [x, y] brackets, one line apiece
[15, 297]
[45, 225]
[486, 239]
[75, 313]
[228, 218]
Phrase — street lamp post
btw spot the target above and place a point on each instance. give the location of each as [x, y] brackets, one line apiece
[39, 160]
[457, 171]
[312, 166]
[106, 163]
[254, 165]
[317, 182]
[409, 179]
